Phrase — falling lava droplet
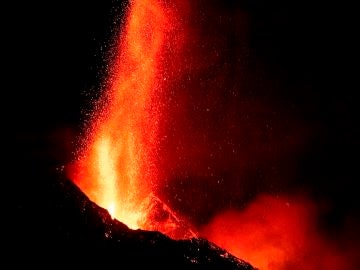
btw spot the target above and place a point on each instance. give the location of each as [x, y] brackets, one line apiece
[117, 167]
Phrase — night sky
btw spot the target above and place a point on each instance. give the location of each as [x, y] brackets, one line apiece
[286, 92]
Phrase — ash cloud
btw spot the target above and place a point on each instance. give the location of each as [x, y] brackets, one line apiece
[259, 108]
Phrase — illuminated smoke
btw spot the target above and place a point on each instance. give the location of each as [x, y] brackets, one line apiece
[191, 129]
[278, 233]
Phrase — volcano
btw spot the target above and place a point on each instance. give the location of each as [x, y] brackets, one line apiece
[231, 121]
[72, 230]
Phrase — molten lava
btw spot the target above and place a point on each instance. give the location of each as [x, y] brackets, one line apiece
[117, 168]
[182, 120]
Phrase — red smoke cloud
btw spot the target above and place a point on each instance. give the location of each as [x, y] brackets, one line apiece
[280, 232]
[194, 116]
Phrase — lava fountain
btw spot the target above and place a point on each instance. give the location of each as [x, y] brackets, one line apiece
[179, 118]
[117, 166]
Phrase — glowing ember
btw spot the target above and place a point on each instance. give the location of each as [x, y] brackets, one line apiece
[172, 125]
[117, 167]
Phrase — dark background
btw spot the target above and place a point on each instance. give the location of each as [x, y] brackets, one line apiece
[55, 59]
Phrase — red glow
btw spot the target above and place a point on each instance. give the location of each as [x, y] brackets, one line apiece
[163, 129]
[277, 233]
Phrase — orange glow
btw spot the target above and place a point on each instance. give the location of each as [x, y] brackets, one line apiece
[117, 166]
[132, 147]
[277, 233]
